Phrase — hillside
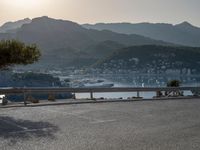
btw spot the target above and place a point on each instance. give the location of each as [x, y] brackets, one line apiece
[183, 34]
[152, 59]
[30, 79]
[13, 26]
[72, 39]
[103, 49]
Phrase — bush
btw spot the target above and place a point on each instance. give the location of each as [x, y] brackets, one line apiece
[173, 83]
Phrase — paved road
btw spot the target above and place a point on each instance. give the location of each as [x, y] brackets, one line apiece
[145, 125]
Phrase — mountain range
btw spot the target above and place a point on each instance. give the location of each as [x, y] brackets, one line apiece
[64, 43]
[12, 26]
[182, 34]
[143, 47]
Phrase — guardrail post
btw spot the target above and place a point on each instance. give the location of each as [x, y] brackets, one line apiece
[51, 97]
[74, 95]
[138, 93]
[24, 97]
[159, 94]
[91, 95]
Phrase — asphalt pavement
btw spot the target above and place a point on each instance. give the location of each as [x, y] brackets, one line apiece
[137, 125]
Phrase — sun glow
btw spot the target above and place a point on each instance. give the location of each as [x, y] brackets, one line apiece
[24, 3]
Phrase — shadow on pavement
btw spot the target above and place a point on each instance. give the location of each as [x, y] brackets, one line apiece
[18, 129]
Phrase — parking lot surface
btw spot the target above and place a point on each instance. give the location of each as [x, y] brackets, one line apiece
[139, 125]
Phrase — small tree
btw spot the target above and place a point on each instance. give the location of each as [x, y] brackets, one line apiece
[13, 52]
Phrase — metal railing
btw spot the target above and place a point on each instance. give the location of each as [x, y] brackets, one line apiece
[49, 90]
[98, 90]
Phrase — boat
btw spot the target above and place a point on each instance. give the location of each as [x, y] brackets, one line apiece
[97, 85]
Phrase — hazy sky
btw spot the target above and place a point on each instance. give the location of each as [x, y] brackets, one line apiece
[92, 11]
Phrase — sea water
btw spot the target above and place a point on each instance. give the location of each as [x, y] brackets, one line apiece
[124, 95]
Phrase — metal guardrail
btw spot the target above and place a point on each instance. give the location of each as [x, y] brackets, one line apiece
[49, 90]
[94, 90]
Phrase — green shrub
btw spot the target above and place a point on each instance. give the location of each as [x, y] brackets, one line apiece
[173, 83]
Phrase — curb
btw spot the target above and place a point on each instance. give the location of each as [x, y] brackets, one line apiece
[56, 103]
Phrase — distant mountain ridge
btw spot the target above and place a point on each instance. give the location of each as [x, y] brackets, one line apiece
[183, 34]
[64, 42]
[48, 31]
[12, 26]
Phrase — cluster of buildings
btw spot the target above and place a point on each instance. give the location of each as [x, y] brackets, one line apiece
[134, 65]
